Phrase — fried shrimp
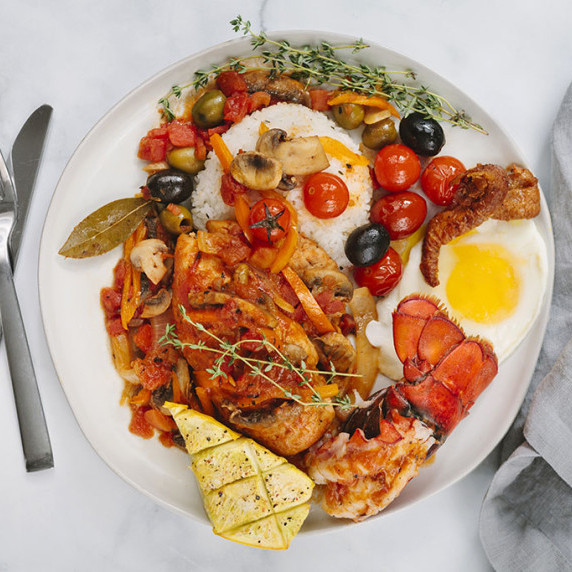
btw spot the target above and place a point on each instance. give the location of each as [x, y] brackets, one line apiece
[481, 192]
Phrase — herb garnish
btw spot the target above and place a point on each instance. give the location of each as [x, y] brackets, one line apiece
[231, 352]
[320, 65]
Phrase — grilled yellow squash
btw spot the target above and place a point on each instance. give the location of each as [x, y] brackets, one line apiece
[251, 495]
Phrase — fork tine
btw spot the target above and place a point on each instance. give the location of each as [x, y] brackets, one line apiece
[7, 184]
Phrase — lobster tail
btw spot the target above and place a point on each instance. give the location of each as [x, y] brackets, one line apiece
[382, 446]
[444, 371]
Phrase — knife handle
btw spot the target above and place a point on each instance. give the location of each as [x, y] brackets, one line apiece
[33, 429]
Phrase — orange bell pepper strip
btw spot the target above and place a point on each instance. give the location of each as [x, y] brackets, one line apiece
[286, 250]
[337, 149]
[329, 390]
[312, 308]
[241, 213]
[291, 239]
[359, 99]
[205, 400]
[222, 151]
[263, 128]
[131, 295]
[177, 393]
[142, 398]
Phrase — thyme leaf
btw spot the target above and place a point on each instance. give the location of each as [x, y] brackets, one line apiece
[320, 65]
[226, 351]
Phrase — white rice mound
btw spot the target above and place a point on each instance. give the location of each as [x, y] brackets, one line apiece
[297, 121]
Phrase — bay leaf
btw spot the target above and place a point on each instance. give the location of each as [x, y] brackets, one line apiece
[105, 228]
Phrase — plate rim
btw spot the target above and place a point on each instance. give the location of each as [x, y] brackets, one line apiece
[420, 68]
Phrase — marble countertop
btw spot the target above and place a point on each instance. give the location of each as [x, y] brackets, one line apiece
[511, 57]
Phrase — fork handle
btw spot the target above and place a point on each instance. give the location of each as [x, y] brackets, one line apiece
[33, 429]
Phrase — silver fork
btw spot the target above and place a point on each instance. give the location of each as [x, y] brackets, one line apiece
[33, 429]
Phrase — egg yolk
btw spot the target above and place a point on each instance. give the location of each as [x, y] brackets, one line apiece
[483, 285]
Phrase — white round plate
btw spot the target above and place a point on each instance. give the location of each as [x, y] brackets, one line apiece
[105, 167]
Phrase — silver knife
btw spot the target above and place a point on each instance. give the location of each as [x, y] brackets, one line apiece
[26, 156]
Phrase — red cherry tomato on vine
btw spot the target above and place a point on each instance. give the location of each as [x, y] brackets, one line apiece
[383, 276]
[437, 177]
[396, 167]
[269, 220]
[326, 195]
[400, 213]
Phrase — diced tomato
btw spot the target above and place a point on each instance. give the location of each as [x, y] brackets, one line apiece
[220, 129]
[159, 133]
[319, 99]
[231, 82]
[144, 338]
[110, 300]
[229, 188]
[151, 149]
[119, 275]
[156, 368]
[347, 324]
[329, 303]
[139, 425]
[258, 100]
[236, 107]
[114, 327]
[200, 149]
[182, 134]
[166, 439]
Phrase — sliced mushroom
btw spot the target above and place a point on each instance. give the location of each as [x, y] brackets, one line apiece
[148, 256]
[287, 183]
[256, 171]
[298, 156]
[334, 348]
[282, 87]
[373, 115]
[318, 279]
[157, 304]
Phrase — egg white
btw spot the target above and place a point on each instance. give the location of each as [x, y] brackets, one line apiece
[527, 254]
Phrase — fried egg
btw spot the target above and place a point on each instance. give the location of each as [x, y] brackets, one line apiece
[492, 281]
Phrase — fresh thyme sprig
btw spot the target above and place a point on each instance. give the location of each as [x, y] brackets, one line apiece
[319, 65]
[228, 354]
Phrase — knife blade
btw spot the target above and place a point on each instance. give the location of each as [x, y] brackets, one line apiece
[25, 158]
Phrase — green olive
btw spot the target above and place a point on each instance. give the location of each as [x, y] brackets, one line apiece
[184, 159]
[380, 134]
[348, 115]
[208, 110]
[176, 219]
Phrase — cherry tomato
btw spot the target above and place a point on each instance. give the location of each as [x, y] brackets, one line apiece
[326, 195]
[269, 220]
[383, 276]
[396, 167]
[400, 213]
[436, 179]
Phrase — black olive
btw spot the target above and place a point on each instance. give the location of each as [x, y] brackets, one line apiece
[170, 186]
[367, 244]
[422, 134]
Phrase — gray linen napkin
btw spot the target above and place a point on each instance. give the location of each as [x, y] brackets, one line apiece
[526, 518]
